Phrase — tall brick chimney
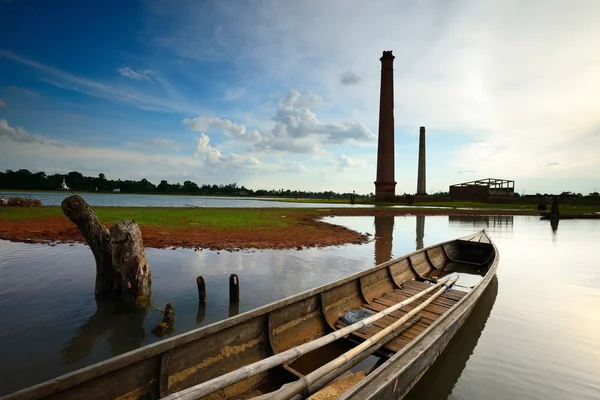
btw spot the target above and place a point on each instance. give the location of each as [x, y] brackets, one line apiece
[385, 185]
[421, 190]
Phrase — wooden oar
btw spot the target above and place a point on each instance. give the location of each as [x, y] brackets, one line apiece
[326, 380]
[220, 382]
[289, 390]
[321, 383]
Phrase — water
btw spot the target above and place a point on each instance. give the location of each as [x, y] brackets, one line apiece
[160, 200]
[533, 335]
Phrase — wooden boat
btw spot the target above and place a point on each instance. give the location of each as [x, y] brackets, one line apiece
[546, 215]
[240, 346]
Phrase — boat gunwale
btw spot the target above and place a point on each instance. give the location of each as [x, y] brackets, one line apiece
[457, 310]
[79, 376]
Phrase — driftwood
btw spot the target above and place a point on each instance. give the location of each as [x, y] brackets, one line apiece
[98, 238]
[167, 322]
[129, 260]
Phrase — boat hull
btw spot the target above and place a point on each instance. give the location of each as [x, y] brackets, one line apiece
[395, 378]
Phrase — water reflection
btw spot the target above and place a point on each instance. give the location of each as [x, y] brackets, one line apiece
[384, 227]
[234, 308]
[544, 347]
[201, 313]
[482, 221]
[420, 231]
[554, 224]
[124, 331]
[439, 380]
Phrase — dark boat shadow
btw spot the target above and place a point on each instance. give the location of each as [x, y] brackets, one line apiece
[439, 380]
[124, 331]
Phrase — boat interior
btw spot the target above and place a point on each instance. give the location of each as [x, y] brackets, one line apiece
[321, 313]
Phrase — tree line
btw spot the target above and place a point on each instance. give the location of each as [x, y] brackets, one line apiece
[25, 180]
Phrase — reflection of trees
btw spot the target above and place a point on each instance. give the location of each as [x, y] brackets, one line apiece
[125, 332]
[420, 231]
[384, 227]
[482, 221]
[441, 377]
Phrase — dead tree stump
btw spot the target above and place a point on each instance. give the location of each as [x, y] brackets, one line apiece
[129, 261]
[98, 238]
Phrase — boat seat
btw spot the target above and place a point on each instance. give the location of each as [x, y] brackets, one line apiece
[432, 312]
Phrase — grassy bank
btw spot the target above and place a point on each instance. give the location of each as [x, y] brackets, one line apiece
[215, 218]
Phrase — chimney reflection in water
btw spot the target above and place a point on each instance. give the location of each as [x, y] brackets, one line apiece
[420, 231]
[384, 227]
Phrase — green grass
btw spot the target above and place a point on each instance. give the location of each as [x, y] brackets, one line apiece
[244, 218]
[223, 218]
[319, 201]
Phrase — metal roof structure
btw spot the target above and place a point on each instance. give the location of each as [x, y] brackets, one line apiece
[492, 183]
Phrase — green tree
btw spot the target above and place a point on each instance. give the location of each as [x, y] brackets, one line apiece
[163, 186]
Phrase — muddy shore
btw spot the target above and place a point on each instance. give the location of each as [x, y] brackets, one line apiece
[307, 231]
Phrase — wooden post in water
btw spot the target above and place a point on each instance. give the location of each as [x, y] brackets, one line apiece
[201, 289]
[234, 288]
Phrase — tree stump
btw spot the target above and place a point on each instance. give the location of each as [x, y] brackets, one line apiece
[98, 238]
[129, 261]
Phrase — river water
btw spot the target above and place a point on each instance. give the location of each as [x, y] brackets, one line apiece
[534, 334]
[159, 200]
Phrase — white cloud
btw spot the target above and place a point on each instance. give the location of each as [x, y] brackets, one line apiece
[19, 134]
[345, 162]
[550, 164]
[212, 157]
[230, 129]
[296, 128]
[2, 103]
[20, 149]
[350, 78]
[166, 143]
[294, 167]
[139, 74]
[234, 93]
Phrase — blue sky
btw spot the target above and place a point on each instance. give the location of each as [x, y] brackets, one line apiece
[281, 94]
